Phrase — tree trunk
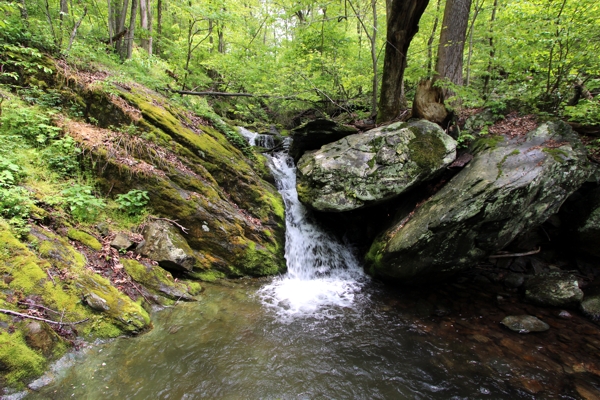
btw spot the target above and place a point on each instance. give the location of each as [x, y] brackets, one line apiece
[24, 13]
[432, 38]
[121, 17]
[478, 8]
[486, 80]
[402, 25]
[131, 33]
[145, 24]
[452, 41]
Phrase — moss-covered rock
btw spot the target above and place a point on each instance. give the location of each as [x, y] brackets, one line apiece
[510, 187]
[160, 281]
[48, 271]
[369, 168]
[101, 296]
[163, 244]
[84, 238]
[204, 182]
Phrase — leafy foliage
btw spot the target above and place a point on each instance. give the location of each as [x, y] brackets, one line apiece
[82, 204]
[133, 202]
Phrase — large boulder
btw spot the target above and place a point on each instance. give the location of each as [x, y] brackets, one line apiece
[553, 289]
[164, 244]
[364, 169]
[511, 185]
[314, 134]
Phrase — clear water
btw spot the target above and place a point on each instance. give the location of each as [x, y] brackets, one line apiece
[323, 331]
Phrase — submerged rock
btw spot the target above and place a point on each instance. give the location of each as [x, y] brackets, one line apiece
[512, 185]
[524, 323]
[374, 166]
[163, 243]
[553, 289]
[314, 134]
[590, 306]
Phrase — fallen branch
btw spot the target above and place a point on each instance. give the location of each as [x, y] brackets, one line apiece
[116, 37]
[9, 312]
[516, 254]
[174, 222]
[226, 94]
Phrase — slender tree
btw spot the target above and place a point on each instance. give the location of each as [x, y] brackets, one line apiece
[452, 41]
[402, 25]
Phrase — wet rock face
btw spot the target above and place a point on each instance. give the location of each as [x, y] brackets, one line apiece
[512, 185]
[590, 306]
[162, 243]
[374, 166]
[524, 323]
[553, 289]
[314, 134]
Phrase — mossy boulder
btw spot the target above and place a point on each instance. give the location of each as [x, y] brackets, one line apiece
[369, 168]
[46, 270]
[508, 188]
[101, 296]
[194, 175]
[159, 281]
[165, 245]
[553, 289]
[84, 238]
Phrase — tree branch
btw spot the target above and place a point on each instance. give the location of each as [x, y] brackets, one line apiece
[529, 253]
[9, 312]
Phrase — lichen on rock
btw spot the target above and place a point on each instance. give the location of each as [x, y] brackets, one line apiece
[368, 168]
[499, 194]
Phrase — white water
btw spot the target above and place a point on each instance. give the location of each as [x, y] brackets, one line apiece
[257, 139]
[323, 274]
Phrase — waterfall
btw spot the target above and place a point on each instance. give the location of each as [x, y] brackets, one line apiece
[323, 274]
[257, 139]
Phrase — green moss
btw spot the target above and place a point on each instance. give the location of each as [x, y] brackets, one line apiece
[194, 288]
[487, 143]
[374, 256]
[426, 149]
[18, 360]
[501, 163]
[84, 238]
[207, 276]
[260, 261]
[557, 154]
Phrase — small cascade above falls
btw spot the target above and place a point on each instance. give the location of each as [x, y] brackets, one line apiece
[257, 139]
[323, 273]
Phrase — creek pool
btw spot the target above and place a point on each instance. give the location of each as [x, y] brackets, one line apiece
[230, 346]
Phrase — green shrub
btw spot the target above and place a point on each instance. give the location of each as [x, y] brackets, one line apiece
[82, 204]
[133, 202]
[586, 112]
[61, 156]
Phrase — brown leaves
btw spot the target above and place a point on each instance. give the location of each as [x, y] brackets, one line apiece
[514, 125]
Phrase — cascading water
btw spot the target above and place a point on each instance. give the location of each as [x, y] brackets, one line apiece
[257, 139]
[323, 274]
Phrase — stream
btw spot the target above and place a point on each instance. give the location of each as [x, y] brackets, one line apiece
[326, 330]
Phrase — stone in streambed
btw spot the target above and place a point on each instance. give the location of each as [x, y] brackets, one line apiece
[369, 168]
[524, 323]
[590, 306]
[553, 289]
[314, 134]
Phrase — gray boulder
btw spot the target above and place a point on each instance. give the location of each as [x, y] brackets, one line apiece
[511, 185]
[163, 243]
[553, 289]
[374, 166]
[590, 306]
[316, 133]
[524, 323]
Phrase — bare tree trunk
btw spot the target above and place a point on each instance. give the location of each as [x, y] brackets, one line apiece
[478, 8]
[145, 24]
[486, 80]
[432, 38]
[111, 25]
[24, 13]
[74, 32]
[402, 25]
[452, 41]
[121, 17]
[374, 60]
[131, 33]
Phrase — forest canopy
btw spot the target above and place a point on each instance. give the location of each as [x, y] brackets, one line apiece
[303, 54]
